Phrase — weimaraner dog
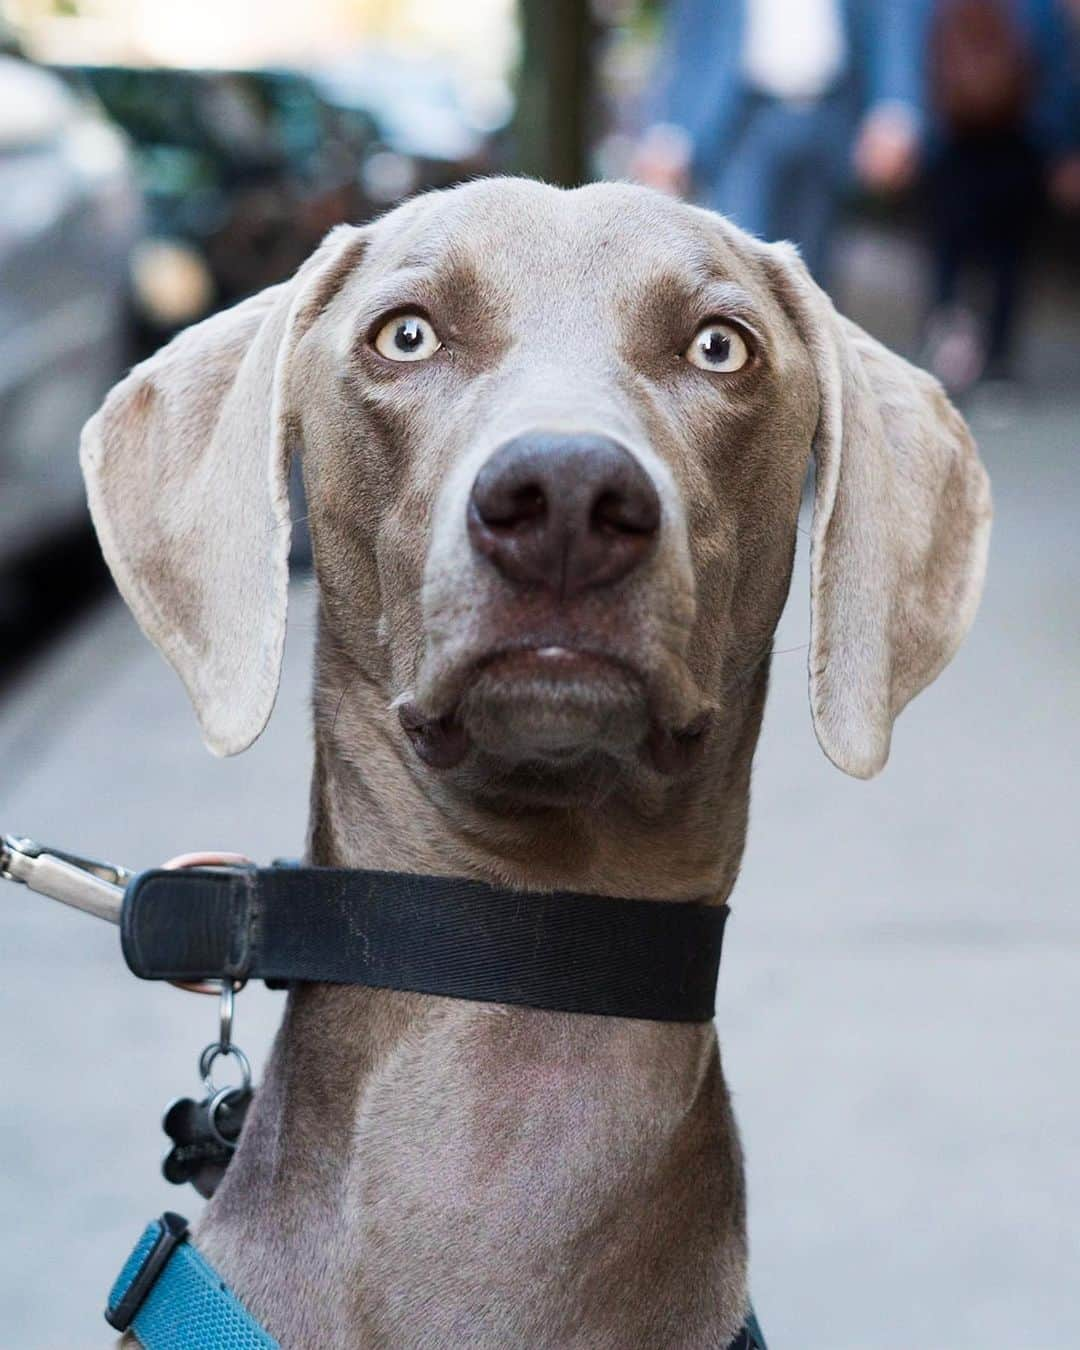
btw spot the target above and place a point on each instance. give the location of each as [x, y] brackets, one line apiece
[554, 445]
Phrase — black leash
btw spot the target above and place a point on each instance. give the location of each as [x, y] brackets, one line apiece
[432, 935]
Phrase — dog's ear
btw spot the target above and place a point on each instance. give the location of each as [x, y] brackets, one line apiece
[186, 467]
[900, 532]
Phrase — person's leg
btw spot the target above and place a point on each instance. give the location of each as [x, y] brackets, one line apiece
[1004, 261]
[1013, 181]
[953, 348]
[947, 256]
[812, 179]
[745, 188]
[950, 217]
[781, 180]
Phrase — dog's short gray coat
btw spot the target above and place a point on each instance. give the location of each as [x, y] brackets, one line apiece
[423, 1172]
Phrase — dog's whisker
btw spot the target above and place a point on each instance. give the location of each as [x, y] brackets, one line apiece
[769, 651]
[337, 711]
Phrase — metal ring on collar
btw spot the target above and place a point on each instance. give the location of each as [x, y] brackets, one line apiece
[216, 1050]
[207, 859]
[216, 1103]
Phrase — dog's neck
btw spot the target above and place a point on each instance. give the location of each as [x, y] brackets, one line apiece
[402, 1143]
[375, 805]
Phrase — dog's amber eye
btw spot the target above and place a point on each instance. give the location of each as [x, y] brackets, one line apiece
[407, 337]
[718, 347]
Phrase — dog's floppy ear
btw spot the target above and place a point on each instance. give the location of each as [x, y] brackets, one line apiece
[900, 532]
[186, 468]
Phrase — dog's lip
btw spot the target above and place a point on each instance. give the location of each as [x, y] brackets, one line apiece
[537, 666]
[553, 661]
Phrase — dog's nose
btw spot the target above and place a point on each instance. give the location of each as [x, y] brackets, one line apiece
[567, 513]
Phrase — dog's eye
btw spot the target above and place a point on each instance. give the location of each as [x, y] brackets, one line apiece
[718, 347]
[407, 337]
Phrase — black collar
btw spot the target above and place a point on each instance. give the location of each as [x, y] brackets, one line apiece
[433, 935]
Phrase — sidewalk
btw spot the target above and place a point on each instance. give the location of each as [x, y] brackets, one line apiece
[103, 757]
[898, 1002]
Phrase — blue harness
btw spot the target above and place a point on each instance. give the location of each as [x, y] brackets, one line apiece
[173, 1299]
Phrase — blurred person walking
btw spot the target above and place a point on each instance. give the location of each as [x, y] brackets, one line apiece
[1064, 180]
[1003, 97]
[762, 107]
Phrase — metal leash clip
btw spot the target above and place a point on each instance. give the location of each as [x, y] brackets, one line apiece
[97, 887]
[87, 884]
[203, 1133]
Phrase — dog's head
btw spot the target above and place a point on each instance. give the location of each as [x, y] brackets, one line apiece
[554, 445]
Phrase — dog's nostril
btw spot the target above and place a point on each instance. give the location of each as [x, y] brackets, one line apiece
[615, 513]
[525, 506]
[566, 513]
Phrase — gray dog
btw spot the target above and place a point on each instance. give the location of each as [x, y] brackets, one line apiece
[554, 445]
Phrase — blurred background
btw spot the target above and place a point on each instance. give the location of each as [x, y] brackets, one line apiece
[899, 999]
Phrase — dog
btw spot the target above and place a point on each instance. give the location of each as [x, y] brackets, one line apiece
[554, 445]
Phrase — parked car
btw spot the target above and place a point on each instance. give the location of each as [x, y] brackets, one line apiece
[243, 172]
[69, 217]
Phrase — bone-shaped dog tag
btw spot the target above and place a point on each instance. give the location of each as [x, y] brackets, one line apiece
[204, 1135]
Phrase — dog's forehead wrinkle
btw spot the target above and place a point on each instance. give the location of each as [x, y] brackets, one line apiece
[515, 237]
[724, 297]
[370, 298]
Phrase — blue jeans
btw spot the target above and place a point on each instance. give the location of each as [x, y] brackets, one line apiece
[784, 174]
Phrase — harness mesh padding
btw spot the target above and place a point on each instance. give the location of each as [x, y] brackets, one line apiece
[188, 1307]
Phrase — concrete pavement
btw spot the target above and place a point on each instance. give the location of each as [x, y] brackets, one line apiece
[898, 1002]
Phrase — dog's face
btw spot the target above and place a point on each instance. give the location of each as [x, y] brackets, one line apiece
[553, 465]
[554, 445]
